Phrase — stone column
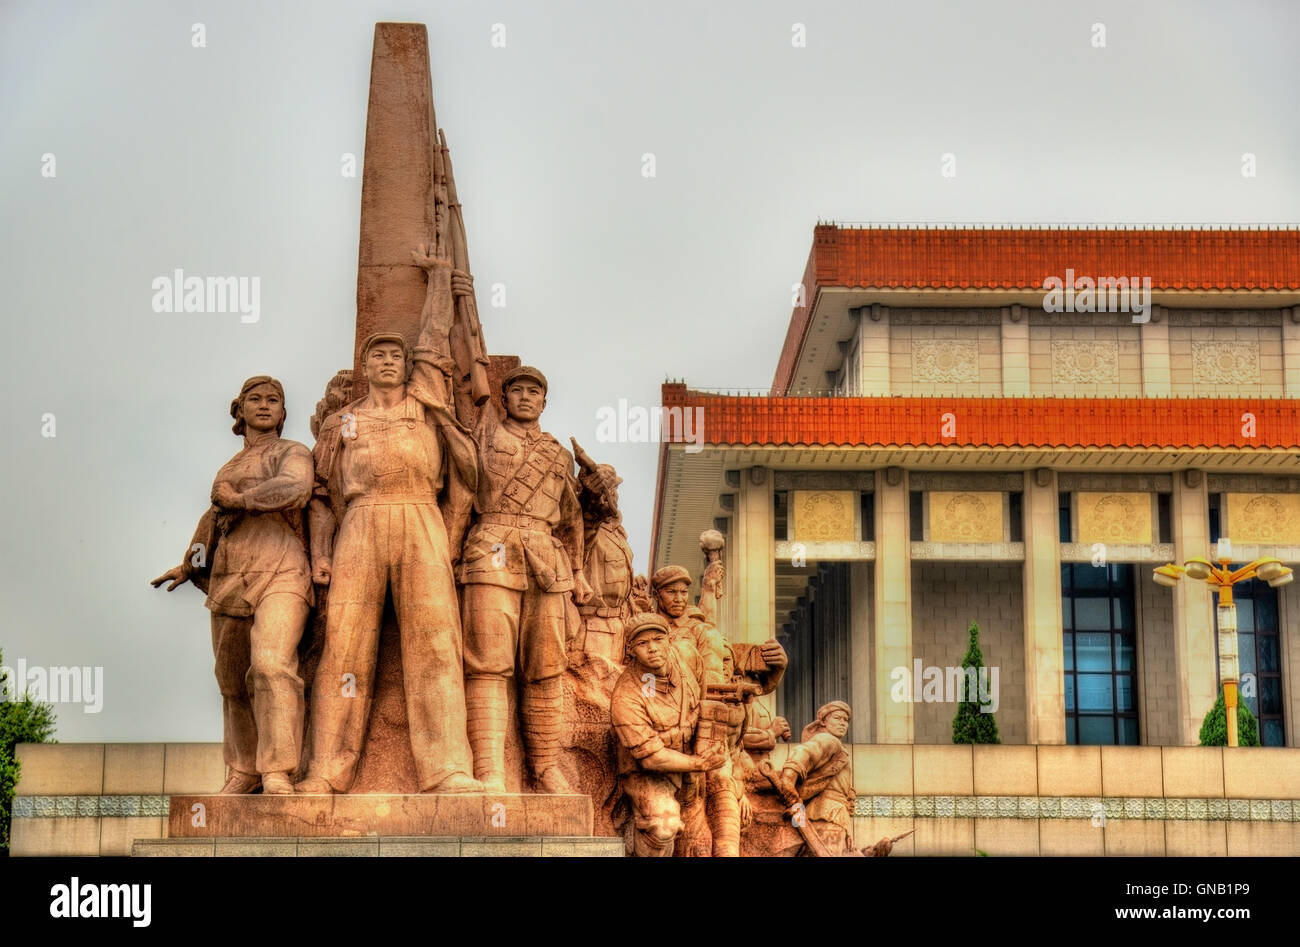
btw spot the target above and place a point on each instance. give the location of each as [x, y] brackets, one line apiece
[873, 330]
[1291, 350]
[755, 558]
[1156, 377]
[893, 605]
[861, 690]
[1015, 352]
[1288, 603]
[731, 559]
[1044, 637]
[1195, 659]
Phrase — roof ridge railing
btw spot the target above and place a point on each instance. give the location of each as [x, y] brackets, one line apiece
[1053, 225]
[828, 393]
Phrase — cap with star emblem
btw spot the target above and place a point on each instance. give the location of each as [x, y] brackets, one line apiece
[523, 371]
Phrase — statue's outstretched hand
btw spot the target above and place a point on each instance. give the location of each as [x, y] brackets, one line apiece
[178, 576]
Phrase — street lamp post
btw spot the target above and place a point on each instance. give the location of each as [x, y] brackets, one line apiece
[1222, 578]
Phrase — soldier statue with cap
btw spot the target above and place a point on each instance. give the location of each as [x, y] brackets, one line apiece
[755, 670]
[394, 473]
[522, 559]
[655, 709]
[688, 626]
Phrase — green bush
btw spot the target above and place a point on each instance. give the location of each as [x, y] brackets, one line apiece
[1214, 728]
[21, 721]
[970, 725]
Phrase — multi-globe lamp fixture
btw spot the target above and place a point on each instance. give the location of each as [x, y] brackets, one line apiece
[1223, 578]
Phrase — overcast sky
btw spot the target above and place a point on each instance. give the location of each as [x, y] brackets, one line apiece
[225, 161]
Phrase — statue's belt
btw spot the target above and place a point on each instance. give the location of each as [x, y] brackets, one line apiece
[393, 499]
[517, 520]
[679, 736]
[600, 611]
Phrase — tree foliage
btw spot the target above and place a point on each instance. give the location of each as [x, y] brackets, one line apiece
[971, 725]
[22, 720]
[1214, 728]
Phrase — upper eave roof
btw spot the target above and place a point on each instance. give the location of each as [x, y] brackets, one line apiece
[1011, 258]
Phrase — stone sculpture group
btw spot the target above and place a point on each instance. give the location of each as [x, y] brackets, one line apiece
[519, 617]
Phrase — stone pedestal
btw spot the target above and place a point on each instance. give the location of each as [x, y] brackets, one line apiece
[398, 847]
[365, 815]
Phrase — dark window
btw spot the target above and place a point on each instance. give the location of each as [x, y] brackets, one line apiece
[868, 502]
[916, 515]
[1097, 613]
[781, 515]
[1258, 650]
[1065, 531]
[1164, 519]
[1016, 505]
[1214, 518]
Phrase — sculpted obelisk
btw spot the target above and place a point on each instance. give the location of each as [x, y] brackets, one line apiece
[397, 187]
[405, 170]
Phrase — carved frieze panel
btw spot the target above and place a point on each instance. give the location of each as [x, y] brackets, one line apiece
[1264, 518]
[1114, 518]
[1225, 363]
[965, 517]
[823, 515]
[1085, 362]
[945, 361]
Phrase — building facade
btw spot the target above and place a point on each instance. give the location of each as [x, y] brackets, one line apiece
[940, 447]
[947, 442]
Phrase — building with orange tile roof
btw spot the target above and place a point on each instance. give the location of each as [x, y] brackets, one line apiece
[946, 443]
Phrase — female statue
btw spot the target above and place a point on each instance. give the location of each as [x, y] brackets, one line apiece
[249, 554]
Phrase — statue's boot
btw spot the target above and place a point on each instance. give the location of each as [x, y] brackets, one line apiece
[543, 724]
[240, 783]
[456, 783]
[486, 711]
[314, 785]
[276, 784]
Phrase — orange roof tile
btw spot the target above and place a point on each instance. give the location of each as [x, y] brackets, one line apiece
[993, 258]
[991, 422]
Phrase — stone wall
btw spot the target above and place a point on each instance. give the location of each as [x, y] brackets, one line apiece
[1079, 800]
[944, 359]
[1222, 361]
[1157, 682]
[1089, 360]
[1001, 800]
[946, 598]
[976, 351]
